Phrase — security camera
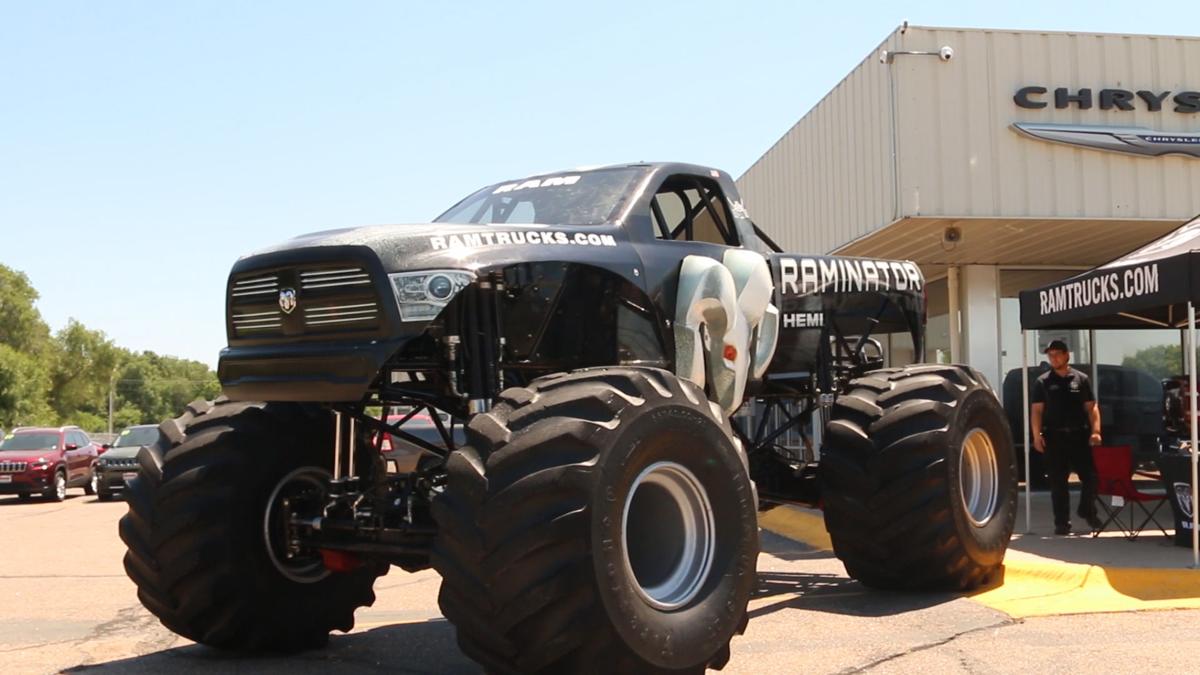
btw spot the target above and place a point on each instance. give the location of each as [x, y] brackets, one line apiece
[946, 53]
[952, 235]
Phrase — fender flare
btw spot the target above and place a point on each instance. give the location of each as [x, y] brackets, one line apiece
[722, 304]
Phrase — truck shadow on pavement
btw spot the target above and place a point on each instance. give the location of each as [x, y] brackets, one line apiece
[836, 594]
[420, 647]
[822, 591]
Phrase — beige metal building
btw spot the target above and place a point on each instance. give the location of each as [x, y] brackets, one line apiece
[915, 155]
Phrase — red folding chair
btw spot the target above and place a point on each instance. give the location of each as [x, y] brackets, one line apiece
[1114, 477]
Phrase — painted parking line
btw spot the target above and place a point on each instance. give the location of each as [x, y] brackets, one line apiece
[1037, 588]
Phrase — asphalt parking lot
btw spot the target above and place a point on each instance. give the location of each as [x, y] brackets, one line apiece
[66, 606]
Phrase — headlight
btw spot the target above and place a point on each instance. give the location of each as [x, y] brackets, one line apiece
[422, 295]
[40, 465]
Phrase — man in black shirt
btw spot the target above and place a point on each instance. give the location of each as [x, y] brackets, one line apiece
[1066, 422]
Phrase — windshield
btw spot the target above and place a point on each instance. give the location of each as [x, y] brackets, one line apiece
[137, 436]
[30, 442]
[582, 198]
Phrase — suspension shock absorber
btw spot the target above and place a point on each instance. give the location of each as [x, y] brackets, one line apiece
[352, 443]
[476, 402]
[337, 445]
[498, 329]
[342, 421]
[480, 346]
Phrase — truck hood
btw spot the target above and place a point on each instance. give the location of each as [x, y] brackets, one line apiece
[123, 452]
[442, 245]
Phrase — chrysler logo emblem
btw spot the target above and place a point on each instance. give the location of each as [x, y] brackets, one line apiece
[1128, 140]
[287, 300]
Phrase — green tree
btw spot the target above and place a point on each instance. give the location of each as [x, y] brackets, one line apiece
[1159, 360]
[68, 378]
[160, 386]
[84, 363]
[24, 344]
[21, 325]
[23, 386]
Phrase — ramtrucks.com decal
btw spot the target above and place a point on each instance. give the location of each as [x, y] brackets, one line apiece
[804, 276]
[501, 238]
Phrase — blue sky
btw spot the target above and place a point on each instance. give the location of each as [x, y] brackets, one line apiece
[145, 145]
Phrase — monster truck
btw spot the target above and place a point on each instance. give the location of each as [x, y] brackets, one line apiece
[628, 353]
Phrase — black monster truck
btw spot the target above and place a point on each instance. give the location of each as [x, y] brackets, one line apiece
[627, 352]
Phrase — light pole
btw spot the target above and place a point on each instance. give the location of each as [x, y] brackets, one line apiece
[112, 379]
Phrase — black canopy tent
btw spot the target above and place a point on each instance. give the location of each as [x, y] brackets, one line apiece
[1156, 286]
[1148, 288]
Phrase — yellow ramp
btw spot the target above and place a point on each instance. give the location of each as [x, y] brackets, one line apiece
[1037, 588]
[1045, 589]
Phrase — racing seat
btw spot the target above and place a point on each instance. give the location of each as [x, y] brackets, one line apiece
[1114, 478]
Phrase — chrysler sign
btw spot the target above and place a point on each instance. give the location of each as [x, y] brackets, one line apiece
[1036, 98]
[1125, 139]
[1130, 140]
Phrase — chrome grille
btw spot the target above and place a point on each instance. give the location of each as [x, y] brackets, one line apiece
[121, 463]
[256, 286]
[331, 315]
[13, 467]
[245, 322]
[345, 276]
[331, 299]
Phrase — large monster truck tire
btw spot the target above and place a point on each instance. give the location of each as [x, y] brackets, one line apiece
[598, 521]
[918, 479]
[197, 529]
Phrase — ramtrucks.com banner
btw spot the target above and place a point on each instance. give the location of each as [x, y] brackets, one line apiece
[1136, 282]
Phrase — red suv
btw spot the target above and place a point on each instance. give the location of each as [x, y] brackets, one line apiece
[47, 461]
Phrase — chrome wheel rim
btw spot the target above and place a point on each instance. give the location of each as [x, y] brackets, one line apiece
[304, 483]
[95, 483]
[978, 477]
[667, 535]
[60, 486]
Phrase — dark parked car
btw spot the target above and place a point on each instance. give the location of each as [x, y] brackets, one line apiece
[120, 463]
[1131, 404]
[47, 461]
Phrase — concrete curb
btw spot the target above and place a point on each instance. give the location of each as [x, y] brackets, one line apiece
[1035, 588]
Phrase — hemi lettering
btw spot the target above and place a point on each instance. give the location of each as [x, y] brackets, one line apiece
[803, 320]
